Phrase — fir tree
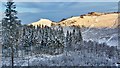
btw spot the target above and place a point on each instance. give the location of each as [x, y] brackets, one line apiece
[11, 25]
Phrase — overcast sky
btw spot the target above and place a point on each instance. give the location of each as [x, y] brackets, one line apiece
[30, 12]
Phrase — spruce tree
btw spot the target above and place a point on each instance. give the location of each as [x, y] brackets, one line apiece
[11, 25]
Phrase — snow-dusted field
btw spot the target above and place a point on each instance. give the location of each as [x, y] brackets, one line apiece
[78, 58]
[102, 35]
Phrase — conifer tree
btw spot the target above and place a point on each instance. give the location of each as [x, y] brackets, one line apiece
[11, 25]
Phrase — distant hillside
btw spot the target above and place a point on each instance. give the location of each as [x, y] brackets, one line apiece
[42, 22]
[93, 19]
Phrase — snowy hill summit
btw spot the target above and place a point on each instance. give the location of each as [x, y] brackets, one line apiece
[42, 22]
[92, 19]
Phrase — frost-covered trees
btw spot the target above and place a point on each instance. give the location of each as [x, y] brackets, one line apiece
[69, 47]
[42, 40]
[11, 25]
[74, 39]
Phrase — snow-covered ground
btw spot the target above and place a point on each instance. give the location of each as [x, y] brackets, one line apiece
[101, 35]
[77, 58]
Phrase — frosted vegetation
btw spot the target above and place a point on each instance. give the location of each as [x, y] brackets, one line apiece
[49, 46]
[28, 45]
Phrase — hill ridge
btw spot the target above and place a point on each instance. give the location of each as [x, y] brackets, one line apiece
[92, 19]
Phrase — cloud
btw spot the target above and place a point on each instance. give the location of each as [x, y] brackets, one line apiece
[42, 6]
[32, 11]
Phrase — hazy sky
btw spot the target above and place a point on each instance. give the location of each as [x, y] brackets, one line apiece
[33, 11]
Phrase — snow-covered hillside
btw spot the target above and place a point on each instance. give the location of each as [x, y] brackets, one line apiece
[43, 22]
[64, 46]
[102, 35]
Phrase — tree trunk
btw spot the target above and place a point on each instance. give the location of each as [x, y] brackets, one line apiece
[12, 57]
